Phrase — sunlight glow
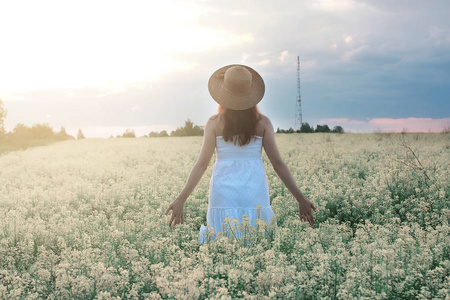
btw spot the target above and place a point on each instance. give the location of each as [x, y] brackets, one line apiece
[332, 5]
[56, 44]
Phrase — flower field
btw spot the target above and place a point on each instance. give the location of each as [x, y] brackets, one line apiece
[85, 220]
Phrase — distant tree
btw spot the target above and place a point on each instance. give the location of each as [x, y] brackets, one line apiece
[37, 132]
[21, 132]
[129, 133]
[158, 134]
[188, 130]
[80, 135]
[338, 129]
[41, 131]
[322, 128]
[305, 128]
[62, 135]
[2, 120]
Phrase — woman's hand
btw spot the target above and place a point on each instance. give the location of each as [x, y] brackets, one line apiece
[177, 212]
[280, 167]
[209, 144]
[304, 210]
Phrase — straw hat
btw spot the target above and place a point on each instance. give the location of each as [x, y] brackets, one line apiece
[236, 87]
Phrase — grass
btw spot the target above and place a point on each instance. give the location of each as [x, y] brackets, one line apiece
[8, 146]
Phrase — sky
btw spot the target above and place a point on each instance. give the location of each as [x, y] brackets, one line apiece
[105, 66]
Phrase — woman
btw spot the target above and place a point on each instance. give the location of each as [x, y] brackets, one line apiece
[239, 131]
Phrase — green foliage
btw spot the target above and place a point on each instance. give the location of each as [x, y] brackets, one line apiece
[2, 120]
[22, 137]
[290, 130]
[21, 132]
[305, 128]
[129, 133]
[322, 128]
[338, 129]
[188, 130]
[41, 131]
[62, 135]
[158, 134]
[80, 135]
[37, 132]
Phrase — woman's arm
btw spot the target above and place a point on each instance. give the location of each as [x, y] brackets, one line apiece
[209, 143]
[280, 167]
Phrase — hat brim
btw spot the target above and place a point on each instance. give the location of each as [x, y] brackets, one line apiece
[236, 101]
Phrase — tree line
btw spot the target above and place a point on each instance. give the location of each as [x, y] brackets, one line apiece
[44, 132]
[22, 135]
[306, 128]
[36, 132]
[189, 129]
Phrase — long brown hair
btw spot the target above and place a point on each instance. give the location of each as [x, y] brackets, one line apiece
[241, 123]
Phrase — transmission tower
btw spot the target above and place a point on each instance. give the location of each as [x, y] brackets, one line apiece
[298, 104]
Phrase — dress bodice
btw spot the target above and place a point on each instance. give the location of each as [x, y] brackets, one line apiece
[230, 151]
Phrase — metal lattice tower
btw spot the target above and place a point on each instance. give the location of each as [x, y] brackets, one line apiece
[298, 104]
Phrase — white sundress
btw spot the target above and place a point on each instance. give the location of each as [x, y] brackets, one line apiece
[238, 186]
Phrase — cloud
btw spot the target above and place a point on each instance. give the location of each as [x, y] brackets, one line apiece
[333, 5]
[364, 55]
[264, 62]
[359, 59]
[283, 57]
[342, 121]
[410, 124]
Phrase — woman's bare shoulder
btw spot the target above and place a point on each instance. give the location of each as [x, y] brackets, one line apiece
[214, 117]
[264, 119]
[213, 123]
[264, 123]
